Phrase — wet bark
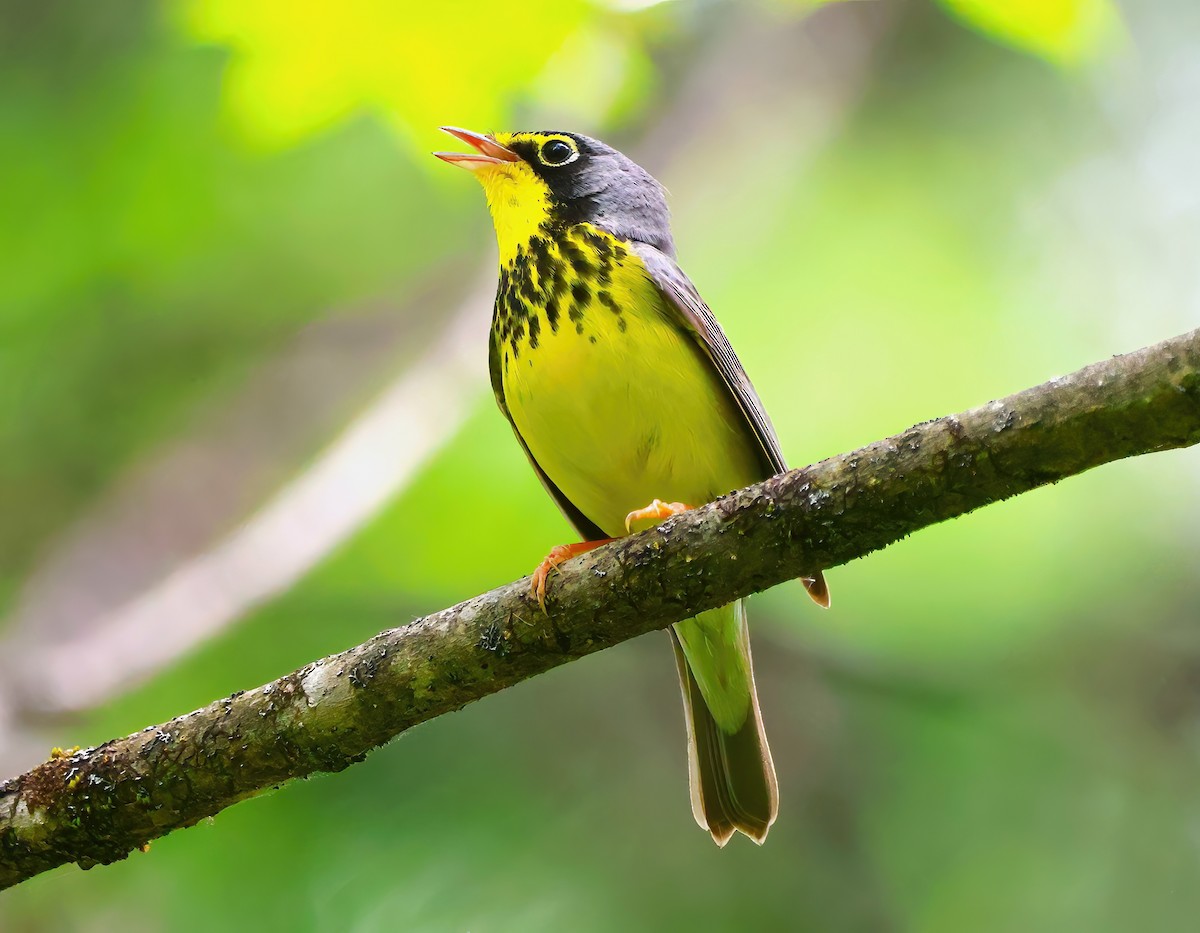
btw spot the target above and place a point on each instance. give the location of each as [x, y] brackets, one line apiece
[96, 805]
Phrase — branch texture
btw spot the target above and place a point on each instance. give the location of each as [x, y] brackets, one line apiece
[96, 805]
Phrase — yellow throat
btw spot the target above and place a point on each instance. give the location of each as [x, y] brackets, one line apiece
[517, 198]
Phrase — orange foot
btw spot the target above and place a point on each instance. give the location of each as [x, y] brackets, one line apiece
[556, 556]
[656, 509]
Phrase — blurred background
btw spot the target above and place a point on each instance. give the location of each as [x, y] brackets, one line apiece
[245, 422]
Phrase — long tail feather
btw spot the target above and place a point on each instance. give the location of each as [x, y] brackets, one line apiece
[818, 589]
[732, 776]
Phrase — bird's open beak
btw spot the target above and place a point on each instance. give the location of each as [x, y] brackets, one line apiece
[488, 151]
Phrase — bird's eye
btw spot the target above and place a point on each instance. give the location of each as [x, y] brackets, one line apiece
[558, 152]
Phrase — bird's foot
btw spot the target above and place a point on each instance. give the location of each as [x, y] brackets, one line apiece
[657, 510]
[563, 552]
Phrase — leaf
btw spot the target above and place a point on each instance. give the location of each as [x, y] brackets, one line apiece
[1065, 32]
[299, 68]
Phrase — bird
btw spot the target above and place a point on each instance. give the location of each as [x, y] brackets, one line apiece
[631, 406]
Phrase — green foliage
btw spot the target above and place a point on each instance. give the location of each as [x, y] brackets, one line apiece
[992, 730]
[297, 70]
[1068, 32]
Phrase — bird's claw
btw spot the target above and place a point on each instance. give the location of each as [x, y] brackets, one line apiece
[557, 555]
[657, 510]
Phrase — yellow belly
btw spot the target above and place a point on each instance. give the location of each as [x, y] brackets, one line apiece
[617, 418]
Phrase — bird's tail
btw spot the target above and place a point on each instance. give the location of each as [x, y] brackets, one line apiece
[729, 762]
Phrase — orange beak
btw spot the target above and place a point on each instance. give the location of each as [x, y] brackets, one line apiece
[487, 152]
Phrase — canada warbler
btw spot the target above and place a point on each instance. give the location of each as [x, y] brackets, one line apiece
[631, 405]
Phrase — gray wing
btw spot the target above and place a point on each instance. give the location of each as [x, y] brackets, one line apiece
[587, 530]
[698, 321]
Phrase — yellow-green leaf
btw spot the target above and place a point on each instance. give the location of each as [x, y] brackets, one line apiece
[1066, 32]
[300, 66]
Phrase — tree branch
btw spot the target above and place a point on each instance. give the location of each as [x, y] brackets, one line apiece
[96, 805]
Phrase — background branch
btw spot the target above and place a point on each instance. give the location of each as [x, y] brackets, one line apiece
[97, 805]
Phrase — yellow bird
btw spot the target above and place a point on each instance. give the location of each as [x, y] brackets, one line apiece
[631, 406]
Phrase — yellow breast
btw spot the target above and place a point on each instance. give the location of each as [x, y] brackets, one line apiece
[616, 402]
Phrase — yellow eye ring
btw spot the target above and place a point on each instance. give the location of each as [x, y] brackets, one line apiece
[558, 151]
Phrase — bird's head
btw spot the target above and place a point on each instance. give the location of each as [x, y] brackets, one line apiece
[536, 182]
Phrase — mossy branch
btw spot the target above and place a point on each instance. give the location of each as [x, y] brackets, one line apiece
[97, 805]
